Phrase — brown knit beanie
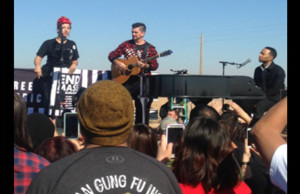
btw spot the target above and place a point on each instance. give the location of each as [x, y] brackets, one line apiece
[106, 113]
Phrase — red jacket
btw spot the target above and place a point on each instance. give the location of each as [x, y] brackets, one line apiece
[241, 188]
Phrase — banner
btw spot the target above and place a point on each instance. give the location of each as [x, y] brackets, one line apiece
[64, 88]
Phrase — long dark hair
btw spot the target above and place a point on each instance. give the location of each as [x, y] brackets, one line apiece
[204, 154]
[143, 139]
[21, 137]
[237, 130]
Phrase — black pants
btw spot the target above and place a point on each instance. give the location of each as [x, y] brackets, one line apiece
[133, 86]
[46, 83]
[262, 106]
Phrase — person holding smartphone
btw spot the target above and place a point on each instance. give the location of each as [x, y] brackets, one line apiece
[271, 145]
[255, 172]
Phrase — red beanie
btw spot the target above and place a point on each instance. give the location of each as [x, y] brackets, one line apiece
[63, 20]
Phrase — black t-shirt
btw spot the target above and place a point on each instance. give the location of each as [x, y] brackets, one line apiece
[105, 170]
[55, 50]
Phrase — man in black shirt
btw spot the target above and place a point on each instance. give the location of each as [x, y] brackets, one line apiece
[60, 52]
[270, 78]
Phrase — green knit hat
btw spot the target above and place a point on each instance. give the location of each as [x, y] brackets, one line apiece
[106, 113]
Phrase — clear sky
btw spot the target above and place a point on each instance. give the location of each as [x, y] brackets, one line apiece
[233, 31]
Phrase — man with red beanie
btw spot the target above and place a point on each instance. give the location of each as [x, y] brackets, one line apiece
[60, 52]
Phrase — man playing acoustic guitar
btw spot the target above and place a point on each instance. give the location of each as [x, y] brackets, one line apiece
[127, 74]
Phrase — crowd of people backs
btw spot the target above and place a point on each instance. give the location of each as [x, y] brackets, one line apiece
[212, 155]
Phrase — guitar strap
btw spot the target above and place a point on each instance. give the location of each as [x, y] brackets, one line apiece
[144, 55]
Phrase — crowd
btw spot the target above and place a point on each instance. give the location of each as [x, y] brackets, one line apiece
[219, 151]
[212, 155]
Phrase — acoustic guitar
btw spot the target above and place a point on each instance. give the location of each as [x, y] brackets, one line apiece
[132, 67]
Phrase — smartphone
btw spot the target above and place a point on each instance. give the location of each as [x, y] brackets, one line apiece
[71, 125]
[174, 132]
[247, 137]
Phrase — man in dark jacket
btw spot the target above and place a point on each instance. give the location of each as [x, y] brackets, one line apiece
[270, 78]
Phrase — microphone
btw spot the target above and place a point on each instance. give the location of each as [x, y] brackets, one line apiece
[61, 43]
[243, 64]
[60, 30]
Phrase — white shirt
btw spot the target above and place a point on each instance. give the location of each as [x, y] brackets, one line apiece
[263, 67]
[278, 167]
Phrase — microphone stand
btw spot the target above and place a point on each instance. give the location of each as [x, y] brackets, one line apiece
[224, 63]
[143, 99]
[61, 95]
[61, 36]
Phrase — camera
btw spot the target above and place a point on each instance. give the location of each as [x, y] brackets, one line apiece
[71, 125]
[225, 107]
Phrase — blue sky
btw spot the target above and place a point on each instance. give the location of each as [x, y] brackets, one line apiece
[233, 31]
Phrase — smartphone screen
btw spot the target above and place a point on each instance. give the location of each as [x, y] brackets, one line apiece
[247, 136]
[173, 134]
[71, 125]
